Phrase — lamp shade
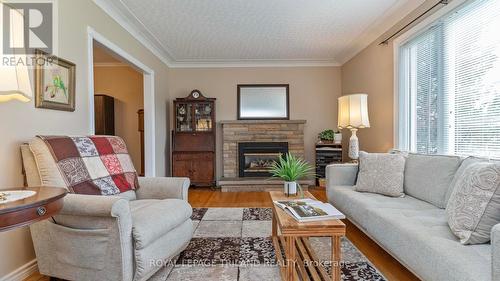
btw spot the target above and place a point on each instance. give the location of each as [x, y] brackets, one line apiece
[14, 78]
[353, 111]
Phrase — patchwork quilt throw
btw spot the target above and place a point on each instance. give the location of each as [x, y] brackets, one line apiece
[97, 165]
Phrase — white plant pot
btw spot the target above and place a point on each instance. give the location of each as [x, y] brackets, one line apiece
[290, 188]
[337, 138]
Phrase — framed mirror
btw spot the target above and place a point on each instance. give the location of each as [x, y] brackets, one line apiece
[263, 102]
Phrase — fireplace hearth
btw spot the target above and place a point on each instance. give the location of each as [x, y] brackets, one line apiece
[256, 158]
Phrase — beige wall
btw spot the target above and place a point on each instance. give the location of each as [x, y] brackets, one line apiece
[371, 71]
[126, 85]
[313, 91]
[313, 94]
[21, 121]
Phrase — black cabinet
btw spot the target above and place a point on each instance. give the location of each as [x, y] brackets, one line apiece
[326, 154]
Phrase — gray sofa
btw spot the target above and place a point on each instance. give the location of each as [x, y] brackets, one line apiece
[414, 228]
[125, 237]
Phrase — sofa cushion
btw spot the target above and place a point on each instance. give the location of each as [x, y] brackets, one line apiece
[422, 240]
[354, 204]
[474, 205]
[151, 219]
[428, 177]
[416, 233]
[381, 173]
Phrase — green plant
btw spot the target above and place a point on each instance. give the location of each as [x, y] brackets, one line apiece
[290, 168]
[327, 135]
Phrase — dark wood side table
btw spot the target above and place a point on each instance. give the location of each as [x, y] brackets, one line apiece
[47, 202]
[326, 153]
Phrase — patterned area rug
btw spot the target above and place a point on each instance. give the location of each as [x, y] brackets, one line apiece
[234, 244]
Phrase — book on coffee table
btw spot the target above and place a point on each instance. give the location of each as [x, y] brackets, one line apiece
[307, 209]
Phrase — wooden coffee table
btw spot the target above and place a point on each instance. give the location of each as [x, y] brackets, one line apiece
[300, 259]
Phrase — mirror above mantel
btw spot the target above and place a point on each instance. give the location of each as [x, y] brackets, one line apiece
[263, 102]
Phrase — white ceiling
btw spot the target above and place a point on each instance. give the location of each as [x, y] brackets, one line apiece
[225, 32]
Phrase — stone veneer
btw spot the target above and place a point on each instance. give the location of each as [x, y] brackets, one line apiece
[234, 132]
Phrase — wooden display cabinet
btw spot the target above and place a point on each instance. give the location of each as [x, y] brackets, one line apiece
[193, 139]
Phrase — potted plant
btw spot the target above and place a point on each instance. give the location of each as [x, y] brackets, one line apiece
[327, 135]
[337, 137]
[290, 169]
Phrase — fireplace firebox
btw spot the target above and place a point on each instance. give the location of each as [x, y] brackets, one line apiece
[256, 158]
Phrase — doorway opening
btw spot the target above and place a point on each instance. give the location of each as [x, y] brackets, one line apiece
[121, 100]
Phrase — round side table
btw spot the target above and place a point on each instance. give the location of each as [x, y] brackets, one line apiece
[47, 202]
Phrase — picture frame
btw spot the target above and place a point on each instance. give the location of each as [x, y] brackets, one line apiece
[263, 102]
[54, 82]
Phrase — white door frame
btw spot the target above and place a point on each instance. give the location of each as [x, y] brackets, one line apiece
[149, 108]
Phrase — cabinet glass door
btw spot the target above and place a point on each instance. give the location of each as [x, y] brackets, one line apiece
[183, 113]
[203, 117]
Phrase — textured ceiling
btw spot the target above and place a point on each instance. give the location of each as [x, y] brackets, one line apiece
[329, 31]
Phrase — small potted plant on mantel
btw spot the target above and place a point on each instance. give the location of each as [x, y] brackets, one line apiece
[290, 169]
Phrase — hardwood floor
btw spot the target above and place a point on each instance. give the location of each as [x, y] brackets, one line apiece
[208, 198]
[390, 267]
[37, 277]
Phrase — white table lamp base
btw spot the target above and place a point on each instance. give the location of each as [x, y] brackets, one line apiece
[354, 145]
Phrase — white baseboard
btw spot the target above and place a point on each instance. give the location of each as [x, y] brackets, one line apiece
[22, 272]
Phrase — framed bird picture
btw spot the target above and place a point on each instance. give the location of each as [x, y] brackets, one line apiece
[54, 82]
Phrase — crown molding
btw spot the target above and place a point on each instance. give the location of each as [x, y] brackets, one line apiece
[253, 63]
[126, 19]
[389, 19]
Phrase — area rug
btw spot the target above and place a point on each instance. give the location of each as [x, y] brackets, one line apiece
[234, 244]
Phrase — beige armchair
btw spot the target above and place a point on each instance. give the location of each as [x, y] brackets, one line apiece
[125, 237]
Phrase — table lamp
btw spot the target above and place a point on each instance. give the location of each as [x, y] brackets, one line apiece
[353, 115]
[15, 81]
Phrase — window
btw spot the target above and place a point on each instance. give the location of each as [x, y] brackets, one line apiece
[449, 84]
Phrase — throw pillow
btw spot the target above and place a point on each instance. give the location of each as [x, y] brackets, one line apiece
[381, 173]
[460, 171]
[474, 205]
[97, 165]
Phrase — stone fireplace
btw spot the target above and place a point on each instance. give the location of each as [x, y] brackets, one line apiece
[262, 141]
[256, 158]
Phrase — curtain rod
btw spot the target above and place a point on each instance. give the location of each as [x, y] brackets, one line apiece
[441, 2]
